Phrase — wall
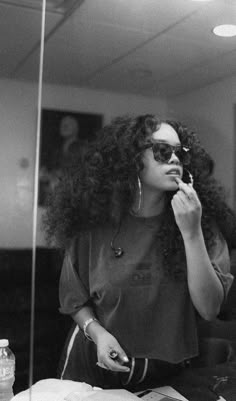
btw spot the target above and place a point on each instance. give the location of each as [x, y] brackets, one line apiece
[210, 111]
[109, 104]
[18, 113]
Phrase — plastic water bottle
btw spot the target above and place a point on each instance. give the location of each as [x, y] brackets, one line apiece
[7, 371]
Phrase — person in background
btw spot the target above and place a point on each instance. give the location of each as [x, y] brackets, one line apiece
[71, 148]
[146, 232]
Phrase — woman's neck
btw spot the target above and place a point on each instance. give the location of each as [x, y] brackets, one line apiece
[151, 204]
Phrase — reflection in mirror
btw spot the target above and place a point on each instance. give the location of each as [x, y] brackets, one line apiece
[107, 58]
[112, 57]
[20, 30]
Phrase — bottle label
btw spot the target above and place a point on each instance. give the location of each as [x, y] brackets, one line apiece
[7, 372]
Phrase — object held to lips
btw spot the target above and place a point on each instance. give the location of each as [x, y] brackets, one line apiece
[190, 177]
[177, 179]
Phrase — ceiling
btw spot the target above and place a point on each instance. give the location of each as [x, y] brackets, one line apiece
[145, 47]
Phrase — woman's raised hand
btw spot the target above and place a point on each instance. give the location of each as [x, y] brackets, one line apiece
[187, 209]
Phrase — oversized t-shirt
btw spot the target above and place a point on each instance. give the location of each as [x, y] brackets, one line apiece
[150, 314]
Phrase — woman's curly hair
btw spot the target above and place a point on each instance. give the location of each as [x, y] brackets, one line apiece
[101, 188]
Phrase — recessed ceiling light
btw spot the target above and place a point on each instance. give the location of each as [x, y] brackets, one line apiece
[226, 31]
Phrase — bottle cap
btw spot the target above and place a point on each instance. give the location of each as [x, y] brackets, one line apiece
[4, 343]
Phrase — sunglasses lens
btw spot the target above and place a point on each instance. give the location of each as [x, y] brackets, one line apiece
[180, 153]
[183, 155]
[162, 152]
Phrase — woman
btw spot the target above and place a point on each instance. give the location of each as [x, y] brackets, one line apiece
[144, 256]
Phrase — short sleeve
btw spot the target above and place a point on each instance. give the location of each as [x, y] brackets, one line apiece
[220, 259]
[73, 290]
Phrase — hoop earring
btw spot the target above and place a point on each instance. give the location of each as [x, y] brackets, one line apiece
[190, 176]
[140, 196]
[118, 251]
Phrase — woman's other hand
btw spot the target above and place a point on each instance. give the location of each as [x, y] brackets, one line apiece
[110, 354]
[187, 209]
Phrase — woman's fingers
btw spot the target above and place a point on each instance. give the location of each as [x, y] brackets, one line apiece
[115, 366]
[117, 358]
[121, 356]
[180, 199]
[102, 365]
[115, 361]
[110, 354]
[187, 190]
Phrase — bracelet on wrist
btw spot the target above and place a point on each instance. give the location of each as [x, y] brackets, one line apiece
[85, 326]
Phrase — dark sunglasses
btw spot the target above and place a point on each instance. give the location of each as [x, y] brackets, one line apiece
[163, 151]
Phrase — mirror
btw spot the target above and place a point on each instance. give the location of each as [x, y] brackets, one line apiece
[102, 58]
[105, 58]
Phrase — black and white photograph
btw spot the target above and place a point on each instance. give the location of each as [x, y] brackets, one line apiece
[118, 200]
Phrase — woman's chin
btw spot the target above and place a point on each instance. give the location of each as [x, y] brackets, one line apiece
[172, 185]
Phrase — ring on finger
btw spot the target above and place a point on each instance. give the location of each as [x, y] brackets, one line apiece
[113, 354]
